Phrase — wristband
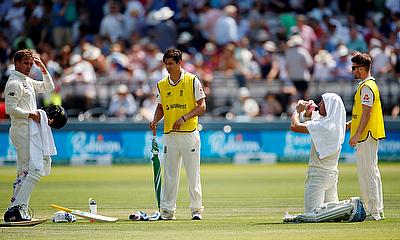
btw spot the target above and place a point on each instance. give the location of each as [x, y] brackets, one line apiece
[183, 118]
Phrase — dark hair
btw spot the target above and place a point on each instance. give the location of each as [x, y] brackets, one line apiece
[362, 59]
[21, 54]
[174, 54]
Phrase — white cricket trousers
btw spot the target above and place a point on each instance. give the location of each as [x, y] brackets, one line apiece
[19, 134]
[369, 176]
[181, 147]
[26, 180]
[320, 187]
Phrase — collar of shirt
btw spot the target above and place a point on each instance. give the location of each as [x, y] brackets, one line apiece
[368, 78]
[19, 75]
[180, 77]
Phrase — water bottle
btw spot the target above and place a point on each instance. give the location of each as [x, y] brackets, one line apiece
[92, 207]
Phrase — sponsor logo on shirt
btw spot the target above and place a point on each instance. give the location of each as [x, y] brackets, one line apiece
[366, 97]
[175, 105]
[12, 94]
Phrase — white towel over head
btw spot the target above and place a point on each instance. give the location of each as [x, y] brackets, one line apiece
[327, 133]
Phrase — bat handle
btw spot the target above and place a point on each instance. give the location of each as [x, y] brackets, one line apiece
[154, 132]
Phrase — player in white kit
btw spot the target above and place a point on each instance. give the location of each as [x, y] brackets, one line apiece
[181, 100]
[20, 99]
[327, 129]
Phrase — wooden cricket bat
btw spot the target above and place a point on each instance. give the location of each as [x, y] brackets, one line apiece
[86, 215]
[32, 222]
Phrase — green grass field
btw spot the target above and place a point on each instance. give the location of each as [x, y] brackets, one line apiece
[241, 202]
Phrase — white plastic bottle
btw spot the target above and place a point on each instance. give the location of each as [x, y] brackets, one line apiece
[92, 207]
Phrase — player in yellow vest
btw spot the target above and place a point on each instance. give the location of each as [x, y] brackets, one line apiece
[367, 128]
[181, 100]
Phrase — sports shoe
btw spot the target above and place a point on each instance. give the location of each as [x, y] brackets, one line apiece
[370, 217]
[382, 215]
[196, 215]
[288, 218]
[167, 215]
[17, 214]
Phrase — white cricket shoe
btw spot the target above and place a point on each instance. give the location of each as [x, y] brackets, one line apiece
[167, 215]
[196, 215]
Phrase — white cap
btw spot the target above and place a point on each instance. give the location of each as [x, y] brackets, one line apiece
[244, 92]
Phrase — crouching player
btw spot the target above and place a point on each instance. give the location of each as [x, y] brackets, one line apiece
[351, 210]
[327, 128]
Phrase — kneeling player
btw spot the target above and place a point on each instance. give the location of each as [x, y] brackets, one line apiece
[351, 210]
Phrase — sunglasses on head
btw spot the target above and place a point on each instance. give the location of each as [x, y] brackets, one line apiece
[353, 68]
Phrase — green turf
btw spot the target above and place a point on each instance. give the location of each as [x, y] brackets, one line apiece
[241, 202]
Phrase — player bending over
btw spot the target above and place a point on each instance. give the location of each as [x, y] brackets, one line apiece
[327, 128]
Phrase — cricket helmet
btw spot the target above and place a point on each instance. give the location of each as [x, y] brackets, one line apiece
[17, 214]
[57, 116]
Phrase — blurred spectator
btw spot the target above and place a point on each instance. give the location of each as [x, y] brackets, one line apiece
[3, 114]
[231, 66]
[184, 42]
[324, 66]
[122, 104]
[393, 6]
[63, 15]
[149, 107]
[245, 107]
[306, 33]
[269, 63]
[271, 107]
[164, 34]
[256, 19]
[94, 55]
[381, 55]
[14, 20]
[320, 11]
[22, 42]
[79, 84]
[343, 64]
[338, 33]
[185, 20]
[207, 19]
[112, 24]
[211, 57]
[226, 28]
[5, 52]
[134, 20]
[35, 24]
[356, 42]
[395, 113]
[117, 65]
[247, 66]
[298, 64]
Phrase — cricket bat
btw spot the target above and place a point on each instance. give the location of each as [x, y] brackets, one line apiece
[86, 215]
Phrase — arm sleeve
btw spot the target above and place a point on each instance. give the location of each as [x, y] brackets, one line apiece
[198, 90]
[367, 96]
[44, 86]
[12, 98]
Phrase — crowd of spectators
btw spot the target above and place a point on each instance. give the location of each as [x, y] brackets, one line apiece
[107, 54]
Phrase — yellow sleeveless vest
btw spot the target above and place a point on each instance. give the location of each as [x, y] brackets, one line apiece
[375, 126]
[177, 101]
